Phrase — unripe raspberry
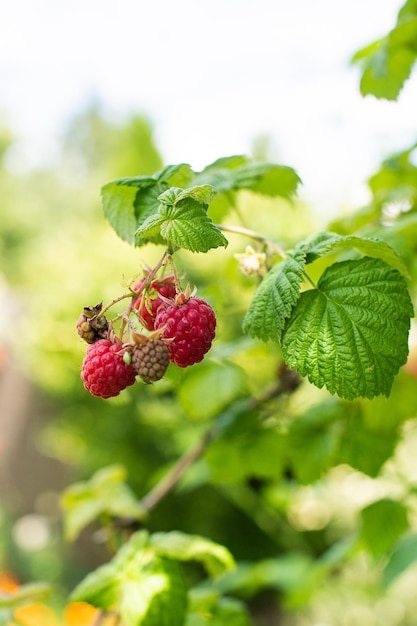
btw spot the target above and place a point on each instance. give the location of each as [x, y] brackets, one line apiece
[150, 359]
[90, 327]
[104, 372]
[148, 303]
[191, 326]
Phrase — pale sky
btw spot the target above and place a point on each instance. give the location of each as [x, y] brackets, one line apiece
[211, 76]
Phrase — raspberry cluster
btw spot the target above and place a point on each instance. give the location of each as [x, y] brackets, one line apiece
[180, 329]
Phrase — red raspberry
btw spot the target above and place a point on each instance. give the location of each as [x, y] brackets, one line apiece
[104, 372]
[148, 303]
[192, 328]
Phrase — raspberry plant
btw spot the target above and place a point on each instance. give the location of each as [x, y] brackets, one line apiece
[337, 308]
[345, 329]
[348, 332]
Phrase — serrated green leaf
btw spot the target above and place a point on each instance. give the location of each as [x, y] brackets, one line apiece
[328, 243]
[106, 493]
[351, 333]
[382, 522]
[183, 222]
[176, 545]
[127, 202]
[218, 383]
[403, 556]
[275, 298]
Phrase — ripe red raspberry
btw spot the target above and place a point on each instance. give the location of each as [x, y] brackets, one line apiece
[104, 372]
[191, 326]
[148, 303]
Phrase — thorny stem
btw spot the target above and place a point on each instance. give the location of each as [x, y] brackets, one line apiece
[240, 230]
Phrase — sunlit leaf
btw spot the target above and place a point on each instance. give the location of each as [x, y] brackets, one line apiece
[382, 523]
[210, 387]
[351, 333]
[275, 298]
[387, 63]
[176, 545]
[106, 492]
[329, 243]
[403, 556]
[182, 220]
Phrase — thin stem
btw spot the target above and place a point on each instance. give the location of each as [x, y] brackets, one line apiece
[240, 230]
[285, 384]
[148, 280]
[169, 481]
[113, 302]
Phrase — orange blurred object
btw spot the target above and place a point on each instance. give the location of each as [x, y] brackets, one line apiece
[8, 582]
[36, 615]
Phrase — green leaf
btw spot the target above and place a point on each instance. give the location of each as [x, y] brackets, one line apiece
[387, 63]
[363, 447]
[329, 243]
[382, 523]
[230, 612]
[238, 172]
[211, 387]
[119, 208]
[155, 595]
[351, 333]
[202, 194]
[313, 440]
[145, 588]
[275, 298]
[255, 453]
[176, 545]
[127, 202]
[182, 221]
[106, 492]
[396, 180]
[286, 573]
[208, 607]
[403, 556]
[100, 588]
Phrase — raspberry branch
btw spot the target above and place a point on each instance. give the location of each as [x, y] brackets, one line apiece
[247, 232]
[288, 382]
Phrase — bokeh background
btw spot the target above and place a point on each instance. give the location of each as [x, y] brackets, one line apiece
[92, 91]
